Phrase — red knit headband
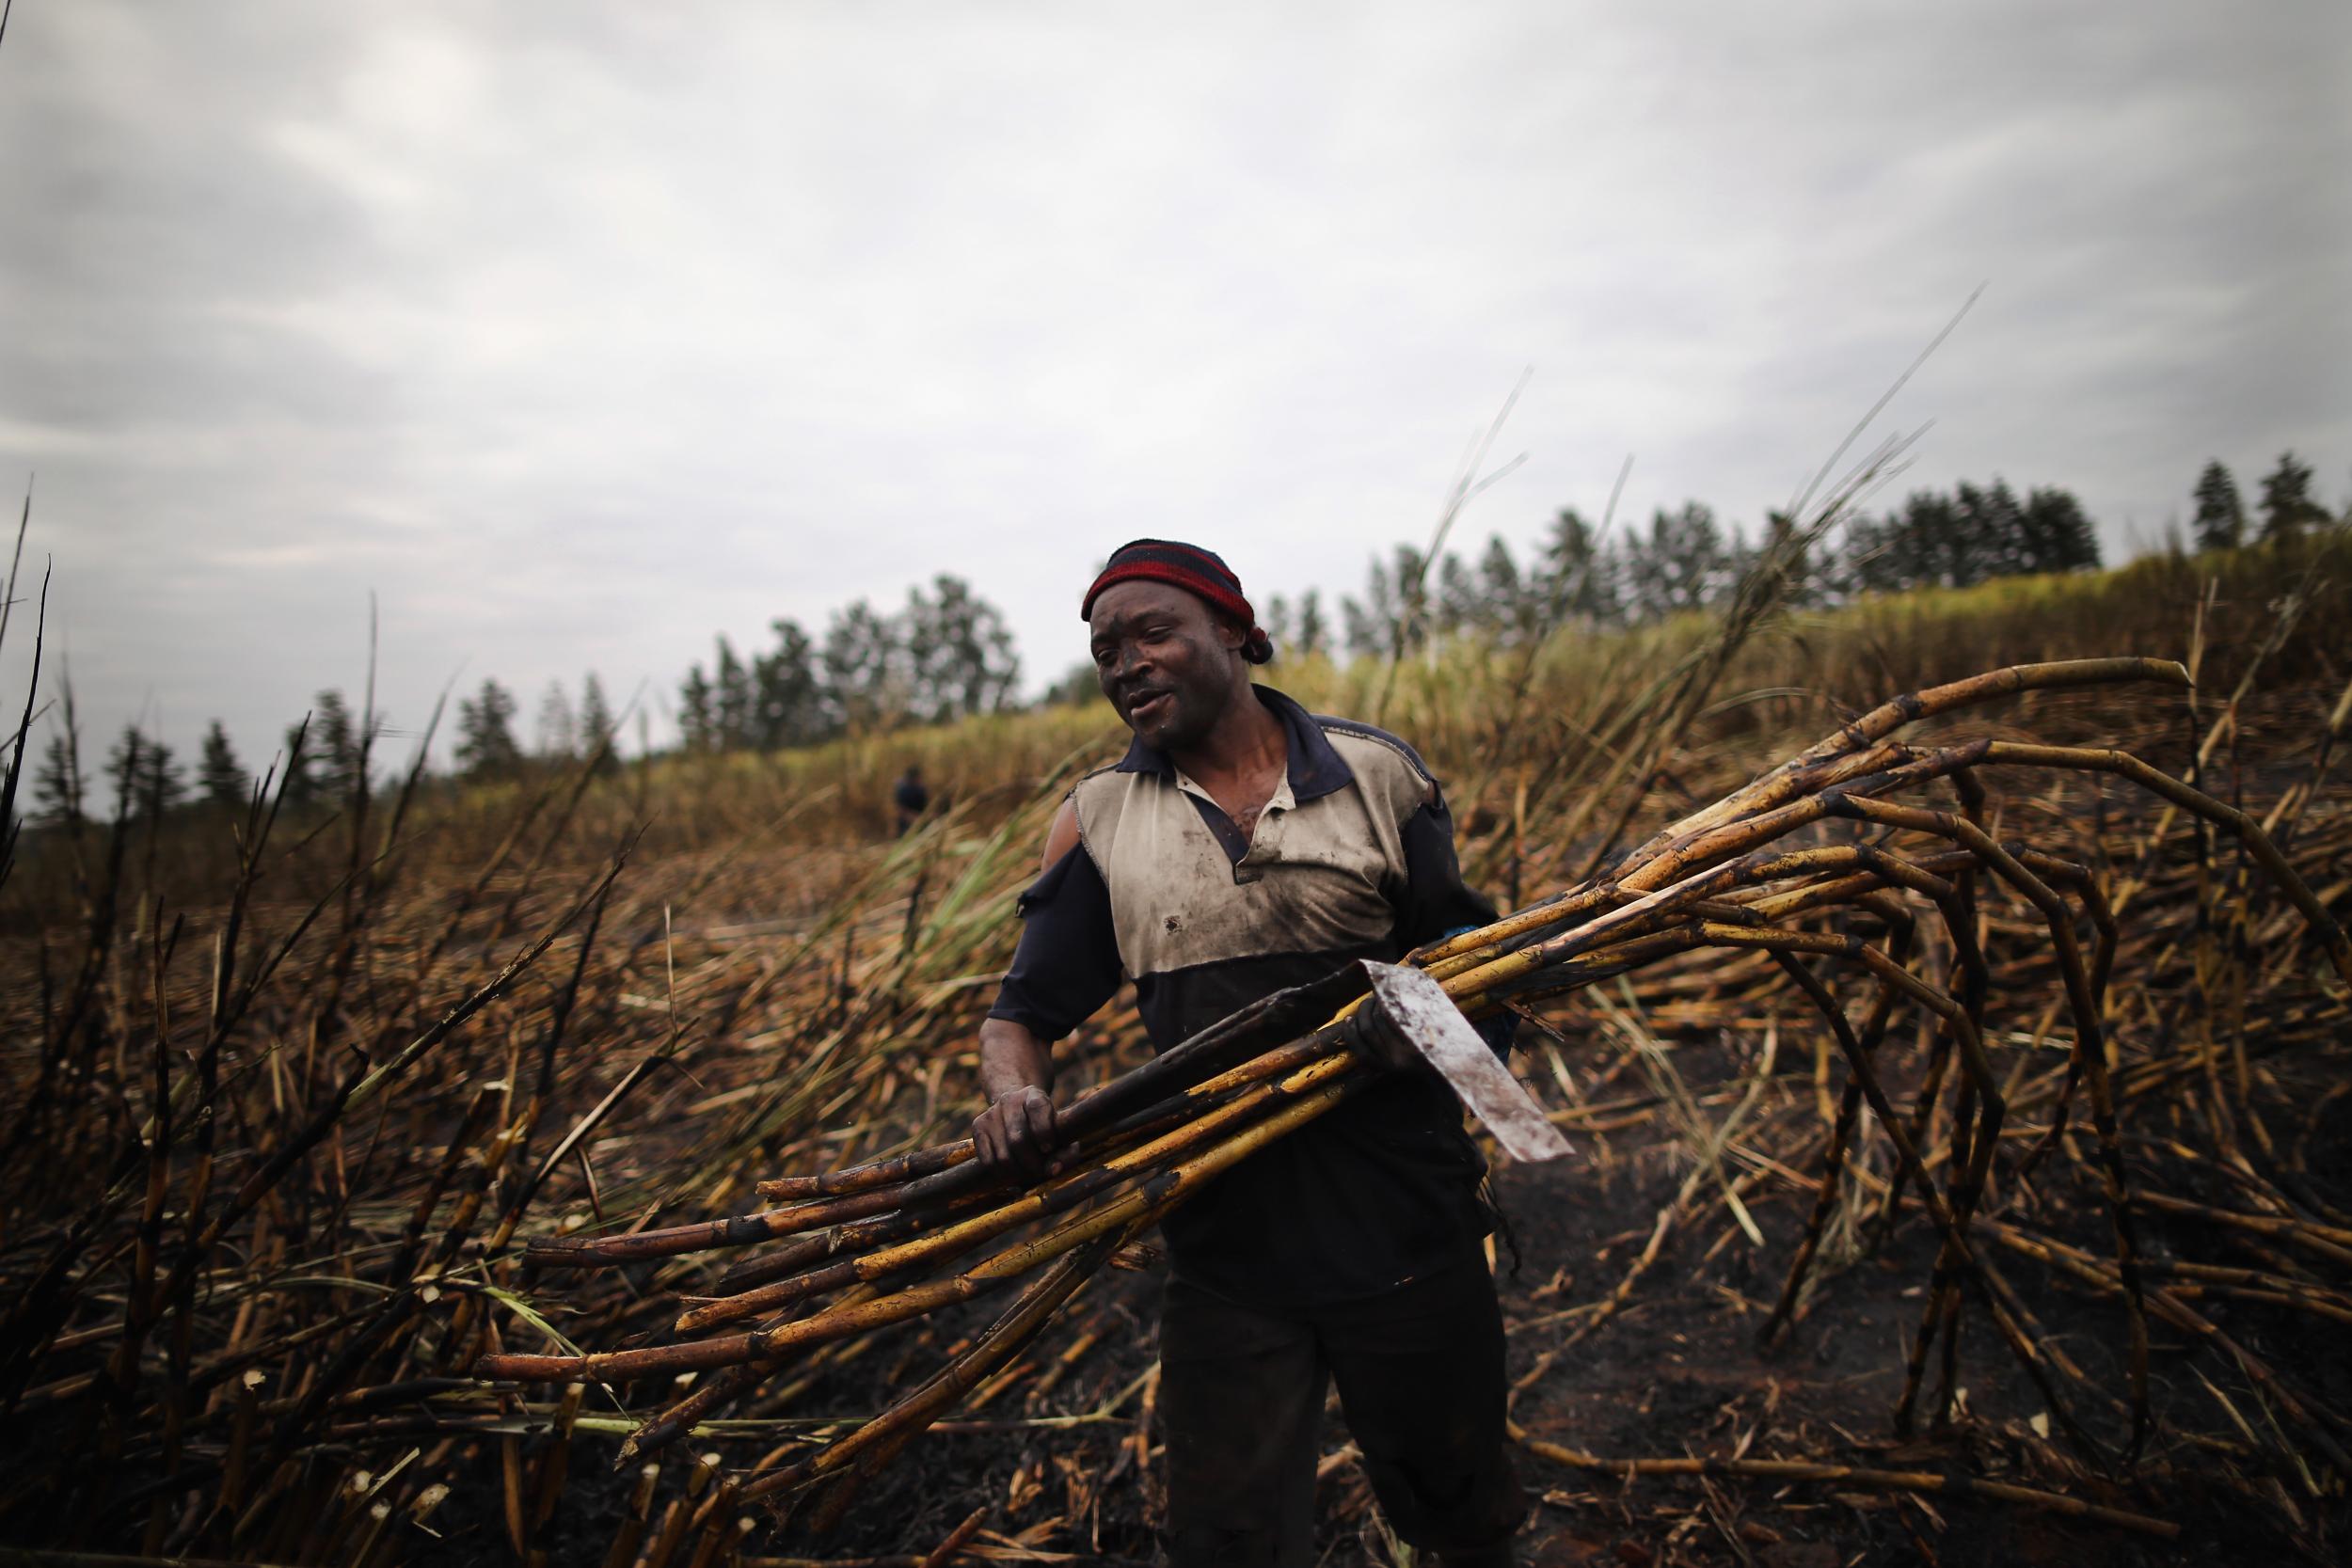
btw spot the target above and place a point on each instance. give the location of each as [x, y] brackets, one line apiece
[1199, 572]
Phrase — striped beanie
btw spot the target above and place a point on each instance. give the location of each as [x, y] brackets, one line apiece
[1199, 572]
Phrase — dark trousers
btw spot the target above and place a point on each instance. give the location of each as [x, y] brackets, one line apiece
[1420, 1379]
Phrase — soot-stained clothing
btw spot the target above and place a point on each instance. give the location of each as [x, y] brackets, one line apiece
[1352, 858]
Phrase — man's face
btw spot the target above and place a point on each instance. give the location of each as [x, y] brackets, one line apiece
[1164, 661]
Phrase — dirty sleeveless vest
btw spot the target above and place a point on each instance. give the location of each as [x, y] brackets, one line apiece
[1379, 1190]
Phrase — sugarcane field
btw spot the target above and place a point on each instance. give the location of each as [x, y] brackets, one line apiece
[574, 1171]
[1680, 897]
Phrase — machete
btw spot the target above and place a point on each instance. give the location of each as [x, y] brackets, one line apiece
[1426, 1017]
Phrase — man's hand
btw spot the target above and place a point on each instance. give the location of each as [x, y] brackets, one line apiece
[1373, 1034]
[1017, 1132]
[1017, 1129]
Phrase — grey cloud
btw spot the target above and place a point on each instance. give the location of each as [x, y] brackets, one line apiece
[578, 334]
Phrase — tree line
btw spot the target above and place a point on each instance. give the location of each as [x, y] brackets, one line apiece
[1685, 559]
[946, 653]
[326, 756]
[2288, 505]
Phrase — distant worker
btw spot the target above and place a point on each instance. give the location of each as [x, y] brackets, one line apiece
[1242, 846]
[910, 797]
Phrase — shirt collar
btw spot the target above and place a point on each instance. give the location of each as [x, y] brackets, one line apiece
[1316, 768]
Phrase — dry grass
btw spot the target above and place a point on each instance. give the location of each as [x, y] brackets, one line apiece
[279, 1117]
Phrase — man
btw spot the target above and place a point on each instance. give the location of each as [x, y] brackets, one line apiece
[1242, 846]
[911, 798]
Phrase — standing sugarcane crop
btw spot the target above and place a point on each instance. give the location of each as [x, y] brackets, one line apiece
[1244, 846]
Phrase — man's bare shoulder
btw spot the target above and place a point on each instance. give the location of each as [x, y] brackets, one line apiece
[1062, 836]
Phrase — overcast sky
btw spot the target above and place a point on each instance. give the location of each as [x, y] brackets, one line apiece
[577, 333]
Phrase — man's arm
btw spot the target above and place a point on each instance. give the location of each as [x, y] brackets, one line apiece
[1436, 902]
[1017, 1076]
[1066, 966]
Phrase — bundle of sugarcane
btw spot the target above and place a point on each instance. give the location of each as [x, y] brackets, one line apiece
[1752, 873]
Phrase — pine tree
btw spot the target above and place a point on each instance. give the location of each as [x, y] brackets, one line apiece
[1581, 572]
[1410, 600]
[1914, 547]
[1366, 621]
[2057, 532]
[486, 748]
[57, 787]
[1459, 606]
[1864, 552]
[1681, 565]
[163, 783]
[2288, 506]
[787, 697]
[1506, 603]
[1984, 537]
[124, 764]
[1738, 556]
[335, 744]
[147, 781]
[2220, 514]
[597, 724]
[1570, 546]
[697, 720]
[1274, 615]
[1359, 632]
[557, 731]
[864, 684]
[1393, 616]
[219, 779]
[731, 699]
[1805, 580]
[957, 653]
[60, 793]
[1972, 535]
[300, 771]
[1313, 634]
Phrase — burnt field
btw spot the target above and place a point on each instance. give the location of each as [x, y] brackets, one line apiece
[299, 1130]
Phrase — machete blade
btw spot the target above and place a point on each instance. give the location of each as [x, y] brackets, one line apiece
[1427, 1017]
